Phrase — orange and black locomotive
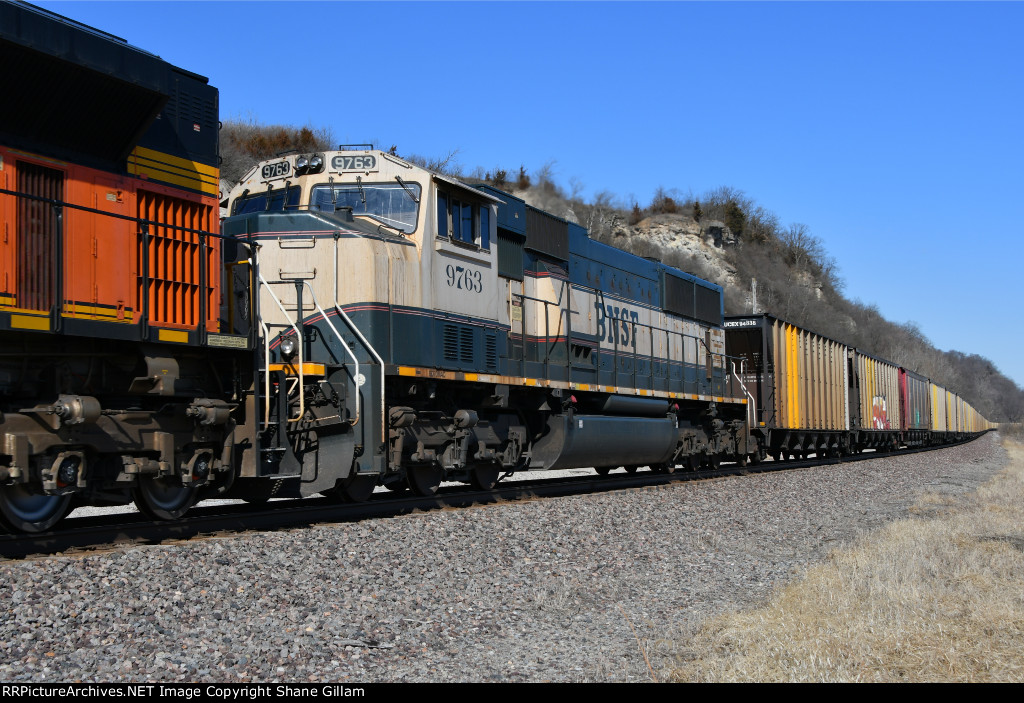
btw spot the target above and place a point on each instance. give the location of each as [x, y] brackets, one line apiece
[112, 365]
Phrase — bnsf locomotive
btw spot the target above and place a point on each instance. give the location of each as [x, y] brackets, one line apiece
[355, 321]
[113, 378]
[415, 329]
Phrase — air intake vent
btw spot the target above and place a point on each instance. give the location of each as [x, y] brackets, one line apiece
[677, 295]
[491, 350]
[460, 345]
[466, 345]
[547, 234]
[691, 298]
[451, 343]
[708, 306]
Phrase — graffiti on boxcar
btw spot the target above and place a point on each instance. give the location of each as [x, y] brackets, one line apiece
[879, 413]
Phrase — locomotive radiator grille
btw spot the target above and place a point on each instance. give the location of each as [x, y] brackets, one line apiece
[37, 228]
[176, 260]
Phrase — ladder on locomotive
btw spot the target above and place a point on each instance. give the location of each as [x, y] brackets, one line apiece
[284, 395]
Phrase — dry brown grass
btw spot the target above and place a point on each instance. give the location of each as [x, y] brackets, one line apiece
[1013, 431]
[937, 599]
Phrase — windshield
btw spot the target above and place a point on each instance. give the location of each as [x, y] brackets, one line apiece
[266, 201]
[394, 204]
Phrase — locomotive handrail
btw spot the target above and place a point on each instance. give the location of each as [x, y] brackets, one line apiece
[129, 218]
[752, 406]
[547, 324]
[266, 356]
[712, 355]
[373, 352]
[359, 335]
[266, 375]
[616, 352]
[651, 328]
[343, 345]
[144, 231]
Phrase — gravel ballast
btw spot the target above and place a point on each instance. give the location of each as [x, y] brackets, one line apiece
[566, 589]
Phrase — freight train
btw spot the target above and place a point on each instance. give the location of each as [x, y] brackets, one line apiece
[355, 321]
[818, 395]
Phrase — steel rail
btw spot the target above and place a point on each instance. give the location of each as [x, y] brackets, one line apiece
[86, 534]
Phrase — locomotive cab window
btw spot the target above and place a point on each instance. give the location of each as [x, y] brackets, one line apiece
[462, 221]
[393, 204]
[267, 201]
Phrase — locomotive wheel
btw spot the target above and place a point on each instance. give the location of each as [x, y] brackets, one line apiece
[712, 461]
[394, 483]
[424, 480]
[693, 462]
[356, 488]
[163, 497]
[632, 469]
[257, 491]
[603, 470]
[484, 477]
[24, 511]
[742, 461]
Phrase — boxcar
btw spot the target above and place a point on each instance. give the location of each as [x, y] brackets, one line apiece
[800, 382]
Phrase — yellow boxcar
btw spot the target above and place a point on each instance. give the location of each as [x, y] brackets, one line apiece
[810, 379]
[878, 391]
[939, 396]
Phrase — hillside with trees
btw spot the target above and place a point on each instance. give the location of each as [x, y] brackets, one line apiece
[721, 235]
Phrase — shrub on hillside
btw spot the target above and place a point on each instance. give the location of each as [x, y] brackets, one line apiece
[636, 215]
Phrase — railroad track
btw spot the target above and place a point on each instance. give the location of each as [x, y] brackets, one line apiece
[101, 532]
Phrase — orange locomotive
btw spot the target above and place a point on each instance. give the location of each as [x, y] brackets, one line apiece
[112, 362]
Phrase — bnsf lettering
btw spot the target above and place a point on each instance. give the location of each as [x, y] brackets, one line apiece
[354, 163]
[616, 324]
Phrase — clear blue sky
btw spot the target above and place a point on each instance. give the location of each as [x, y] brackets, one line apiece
[892, 130]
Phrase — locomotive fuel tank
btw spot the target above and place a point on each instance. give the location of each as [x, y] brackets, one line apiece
[597, 440]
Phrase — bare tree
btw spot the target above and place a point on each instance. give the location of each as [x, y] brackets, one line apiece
[445, 165]
[246, 142]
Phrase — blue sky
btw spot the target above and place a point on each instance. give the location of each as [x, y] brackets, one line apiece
[893, 130]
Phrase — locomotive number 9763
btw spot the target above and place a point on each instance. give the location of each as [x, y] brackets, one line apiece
[462, 278]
